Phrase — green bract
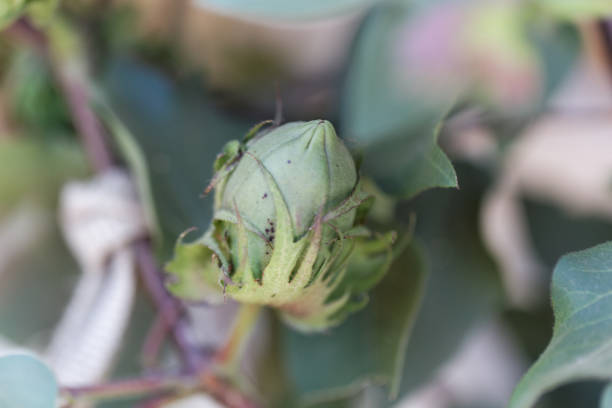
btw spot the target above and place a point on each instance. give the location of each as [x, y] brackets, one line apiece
[286, 225]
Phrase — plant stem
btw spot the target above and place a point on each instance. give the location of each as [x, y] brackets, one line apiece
[171, 385]
[87, 124]
[605, 28]
[130, 388]
[154, 341]
[168, 307]
[228, 357]
[76, 91]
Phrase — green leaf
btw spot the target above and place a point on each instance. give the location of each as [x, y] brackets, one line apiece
[394, 126]
[606, 398]
[558, 47]
[282, 9]
[463, 286]
[367, 348]
[138, 164]
[35, 98]
[179, 131]
[580, 347]
[37, 170]
[576, 9]
[433, 169]
[573, 232]
[25, 382]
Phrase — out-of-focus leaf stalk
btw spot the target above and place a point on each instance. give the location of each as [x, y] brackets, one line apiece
[605, 27]
[228, 357]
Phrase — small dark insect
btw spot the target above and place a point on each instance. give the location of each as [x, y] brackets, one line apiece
[288, 161]
[265, 195]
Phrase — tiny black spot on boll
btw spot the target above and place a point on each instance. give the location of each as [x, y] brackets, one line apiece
[265, 196]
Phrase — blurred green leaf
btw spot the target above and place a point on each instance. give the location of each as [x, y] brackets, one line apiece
[576, 9]
[133, 154]
[36, 102]
[179, 131]
[463, 286]
[606, 397]
[25, 382]
[282, 9]
[367, 348]
[433, 169]
[558, 46]
[394, 126]
[572, 232]
[37, 170]
[580, 346]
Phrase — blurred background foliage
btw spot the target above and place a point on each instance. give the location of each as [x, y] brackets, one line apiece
[429, 94]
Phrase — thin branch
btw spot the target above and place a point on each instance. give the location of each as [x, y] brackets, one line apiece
[168, 307]
[130, 388]
[154, 341]
[87, 124]
[228, 396]
[278, 114]
[75, 91]
[171, 386]
[158, 401]
[605, 27]
[230, 354]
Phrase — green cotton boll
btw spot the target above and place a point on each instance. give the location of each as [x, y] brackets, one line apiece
[313, 170]
[288, 208]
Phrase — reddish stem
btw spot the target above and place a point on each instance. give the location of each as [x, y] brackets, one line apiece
[605, 27]
[130, 387]
[87, 124]
[154, 341]
[76, 93]
[167, 306]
